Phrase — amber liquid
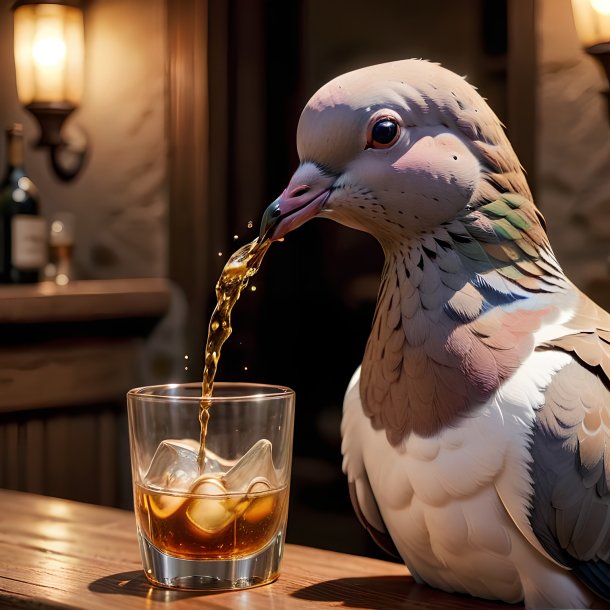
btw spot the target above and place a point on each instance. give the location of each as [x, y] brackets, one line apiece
[61, 254]
[242, 265]
[210, 527]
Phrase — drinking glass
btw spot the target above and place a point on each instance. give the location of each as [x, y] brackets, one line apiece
[220, 523]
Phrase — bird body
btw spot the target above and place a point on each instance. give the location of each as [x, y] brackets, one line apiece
[454, 531]
[476, 433]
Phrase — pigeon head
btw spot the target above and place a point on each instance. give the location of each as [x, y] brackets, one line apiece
[394, 150]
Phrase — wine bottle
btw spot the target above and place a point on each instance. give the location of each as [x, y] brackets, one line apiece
[23, 251]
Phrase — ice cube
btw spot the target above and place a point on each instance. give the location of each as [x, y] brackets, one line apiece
[213, 509]
[208, 485]
[164, 505]
[214, 464]
[256, 466]
[258, 485]
[260, 508]
[222, 498]
[174, 466]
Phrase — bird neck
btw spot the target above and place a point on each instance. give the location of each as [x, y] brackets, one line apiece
[456, 315]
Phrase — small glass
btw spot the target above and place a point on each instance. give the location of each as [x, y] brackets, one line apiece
[61, 249]
[221, 525]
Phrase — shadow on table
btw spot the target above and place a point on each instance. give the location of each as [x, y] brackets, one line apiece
[135, 583]
[382, 592]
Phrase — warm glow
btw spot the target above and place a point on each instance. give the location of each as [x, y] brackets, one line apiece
[601, 6]
[49, 53]
[592, 20]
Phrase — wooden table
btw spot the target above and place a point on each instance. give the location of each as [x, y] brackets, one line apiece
[62, 554]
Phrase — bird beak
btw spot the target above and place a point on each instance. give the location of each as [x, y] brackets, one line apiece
[298, 203]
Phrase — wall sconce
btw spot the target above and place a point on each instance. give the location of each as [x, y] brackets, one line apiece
[49, 52]
[592, 21]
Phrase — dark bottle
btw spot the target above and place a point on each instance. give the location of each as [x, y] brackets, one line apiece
[23, 234]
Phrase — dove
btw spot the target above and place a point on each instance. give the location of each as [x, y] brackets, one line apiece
[475, 433]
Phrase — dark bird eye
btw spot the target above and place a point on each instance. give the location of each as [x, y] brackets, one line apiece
[383, 133]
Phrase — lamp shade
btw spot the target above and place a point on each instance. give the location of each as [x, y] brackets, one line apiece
[592, 21]
[49, 50]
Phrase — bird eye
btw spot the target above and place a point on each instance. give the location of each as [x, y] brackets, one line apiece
[384, 133]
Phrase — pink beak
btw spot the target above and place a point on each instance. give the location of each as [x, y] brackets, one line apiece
[291, 209]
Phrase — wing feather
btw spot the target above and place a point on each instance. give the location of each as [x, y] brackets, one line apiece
[570, 446]
[363, 500]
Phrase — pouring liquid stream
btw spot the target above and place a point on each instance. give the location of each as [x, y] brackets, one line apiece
[236, 274]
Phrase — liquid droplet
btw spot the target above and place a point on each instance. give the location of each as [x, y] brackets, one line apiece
[253, 288]
[250, 224]
[220, 254]
[186, 357]
[235, 237]
[214, 326]
[245, 368]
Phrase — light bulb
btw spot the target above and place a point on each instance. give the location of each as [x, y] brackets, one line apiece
[49, 51]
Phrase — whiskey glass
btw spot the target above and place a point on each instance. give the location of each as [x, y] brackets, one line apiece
[218, 522]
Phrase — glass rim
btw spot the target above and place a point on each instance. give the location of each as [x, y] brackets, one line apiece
[253, 391]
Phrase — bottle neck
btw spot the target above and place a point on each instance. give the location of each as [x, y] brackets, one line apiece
[14, 150]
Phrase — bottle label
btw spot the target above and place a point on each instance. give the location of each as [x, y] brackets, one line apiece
[29, 243]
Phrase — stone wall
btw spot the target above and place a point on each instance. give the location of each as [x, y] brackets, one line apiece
[120, 199]
[573, 146]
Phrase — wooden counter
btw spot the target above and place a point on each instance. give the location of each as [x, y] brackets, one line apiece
[60, 554]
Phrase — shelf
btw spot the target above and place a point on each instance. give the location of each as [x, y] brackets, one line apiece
[84, 300]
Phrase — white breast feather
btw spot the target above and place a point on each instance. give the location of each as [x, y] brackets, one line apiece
[456, 504]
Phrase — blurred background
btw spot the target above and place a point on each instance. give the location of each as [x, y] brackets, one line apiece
[187, 123]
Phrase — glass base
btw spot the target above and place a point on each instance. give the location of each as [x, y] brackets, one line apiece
[254, 570]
